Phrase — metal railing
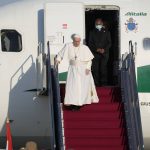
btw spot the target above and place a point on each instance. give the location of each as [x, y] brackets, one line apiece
[131, 101]
[55, 107]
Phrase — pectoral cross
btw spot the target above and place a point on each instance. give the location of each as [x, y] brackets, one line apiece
[76, 51]
[75, 57]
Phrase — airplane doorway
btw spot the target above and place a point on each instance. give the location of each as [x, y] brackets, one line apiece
[110, 16]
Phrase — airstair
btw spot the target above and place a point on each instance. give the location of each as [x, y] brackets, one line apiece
[112, 124]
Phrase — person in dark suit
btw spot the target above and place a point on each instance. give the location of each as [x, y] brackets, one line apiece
[99, 44]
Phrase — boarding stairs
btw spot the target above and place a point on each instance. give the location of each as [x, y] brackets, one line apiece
[99, 126]
[112, 124]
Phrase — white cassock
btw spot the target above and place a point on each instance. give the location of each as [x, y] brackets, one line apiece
[80, 88]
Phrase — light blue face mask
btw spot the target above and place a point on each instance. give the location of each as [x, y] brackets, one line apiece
[99, 26]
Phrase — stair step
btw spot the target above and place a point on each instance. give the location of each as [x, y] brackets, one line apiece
[94, 133]
[98, 126]
[103, 97]
[122, 147]
[101, 91]
[85, 124]
[104, 90]
[108, 99]
[101, 107]
[70, 115]
[80, 142]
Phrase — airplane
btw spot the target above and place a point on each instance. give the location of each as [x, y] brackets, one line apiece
[25, 28]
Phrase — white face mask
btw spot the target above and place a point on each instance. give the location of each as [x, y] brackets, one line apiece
[99, 26]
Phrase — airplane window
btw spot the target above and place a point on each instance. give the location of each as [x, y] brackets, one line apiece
[11, 41]
[146, 43]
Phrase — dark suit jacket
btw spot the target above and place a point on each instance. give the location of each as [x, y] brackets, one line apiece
[99, 39]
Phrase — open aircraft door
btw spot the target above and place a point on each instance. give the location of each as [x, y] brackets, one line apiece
[61, 21]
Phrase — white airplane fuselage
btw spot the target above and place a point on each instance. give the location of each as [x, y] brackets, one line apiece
[37, 22]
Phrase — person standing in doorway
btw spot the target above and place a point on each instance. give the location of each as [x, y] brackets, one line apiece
[99, 44]
[80, 88]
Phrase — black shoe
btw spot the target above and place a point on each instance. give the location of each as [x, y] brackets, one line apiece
[68, 107]
[75, 108]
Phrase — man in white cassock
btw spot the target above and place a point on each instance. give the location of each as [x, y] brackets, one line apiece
[80, 88]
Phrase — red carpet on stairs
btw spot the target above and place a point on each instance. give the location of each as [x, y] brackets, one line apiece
[96, 126]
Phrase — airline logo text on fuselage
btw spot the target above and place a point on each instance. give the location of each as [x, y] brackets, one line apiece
[136, 14]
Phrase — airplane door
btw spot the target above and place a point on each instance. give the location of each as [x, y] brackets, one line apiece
[61, 21]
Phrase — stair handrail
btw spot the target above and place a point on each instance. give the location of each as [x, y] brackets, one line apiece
[55, 104]
[50, 97]
[57, 109]
[131, 101]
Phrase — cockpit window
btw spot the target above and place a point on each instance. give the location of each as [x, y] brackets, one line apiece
[11, 41]
[146, 43]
